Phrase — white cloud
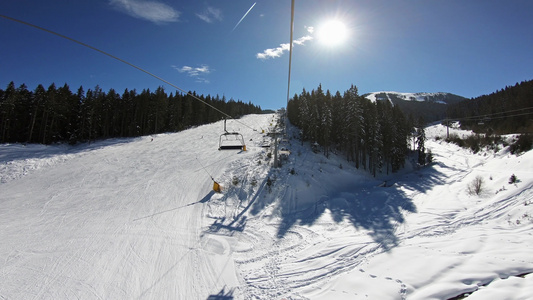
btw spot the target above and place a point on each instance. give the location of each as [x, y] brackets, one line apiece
[277, 52]
[302, 40]
[153, 11]
[273, 52]
[210, 15]
[197, 72]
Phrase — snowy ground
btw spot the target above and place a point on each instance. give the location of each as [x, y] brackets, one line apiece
[136, 219]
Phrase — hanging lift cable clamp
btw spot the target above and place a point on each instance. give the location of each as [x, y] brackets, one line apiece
[128, 63]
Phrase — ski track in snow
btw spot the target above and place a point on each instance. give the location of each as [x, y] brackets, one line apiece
[136, 219]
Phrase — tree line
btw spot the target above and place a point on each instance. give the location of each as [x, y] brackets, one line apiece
[508, 110]
[51, 115]
[372, 135]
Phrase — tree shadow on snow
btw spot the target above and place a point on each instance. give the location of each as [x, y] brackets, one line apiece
[424, 179]
[379, 211]
[223, 226]
[377, 208]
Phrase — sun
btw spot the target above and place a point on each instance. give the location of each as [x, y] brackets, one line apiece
[332, 33]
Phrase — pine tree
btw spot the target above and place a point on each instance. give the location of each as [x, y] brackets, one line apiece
[352, 120]
[401, 131]
[21, 117]
[421, 149]
[374, 135]
[39, 95]
[7, 112]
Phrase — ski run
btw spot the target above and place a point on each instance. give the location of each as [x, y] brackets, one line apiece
[137, 219]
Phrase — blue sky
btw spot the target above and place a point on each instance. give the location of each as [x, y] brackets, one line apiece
[469, 48]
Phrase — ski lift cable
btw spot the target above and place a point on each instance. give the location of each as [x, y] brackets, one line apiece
[204, 169]
[128, 63]
[217, 187]
[515, 115]
[495, 115]
[290, 58]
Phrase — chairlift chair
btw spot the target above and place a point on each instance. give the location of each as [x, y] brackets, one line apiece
[231, 140]
[265, 143]
[483, 121]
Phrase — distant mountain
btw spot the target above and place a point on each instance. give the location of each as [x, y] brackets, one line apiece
[394, 97]
[430, 106]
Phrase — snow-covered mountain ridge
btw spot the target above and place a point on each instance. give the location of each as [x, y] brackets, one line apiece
[428, 106]
[441, 97]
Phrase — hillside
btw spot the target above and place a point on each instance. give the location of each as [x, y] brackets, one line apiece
[136, 219]
[508, 110]
[430, 106]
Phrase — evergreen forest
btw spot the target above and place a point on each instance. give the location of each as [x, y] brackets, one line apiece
[57, 115]
[509, 110]
[372, 135]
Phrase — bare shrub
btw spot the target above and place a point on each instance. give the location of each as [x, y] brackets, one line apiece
[476, 186]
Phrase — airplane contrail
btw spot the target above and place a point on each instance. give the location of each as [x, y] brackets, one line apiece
[243, 16]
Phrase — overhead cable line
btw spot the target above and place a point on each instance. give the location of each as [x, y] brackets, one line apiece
[129, 64]
[290, 60]
[510, 116]
[498, 115]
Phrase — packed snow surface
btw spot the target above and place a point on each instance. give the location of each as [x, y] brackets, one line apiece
[137, 219]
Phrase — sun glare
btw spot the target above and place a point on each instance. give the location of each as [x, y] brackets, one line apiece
[332, 33]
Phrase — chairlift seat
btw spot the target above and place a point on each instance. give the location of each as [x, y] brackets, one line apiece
[231, 141]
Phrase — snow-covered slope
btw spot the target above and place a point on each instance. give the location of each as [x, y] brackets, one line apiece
[118, 219]
[136, 219]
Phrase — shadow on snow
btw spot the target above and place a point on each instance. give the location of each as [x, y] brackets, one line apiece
[377, 209]
[221, 227]
[222, 295]
[203, 200]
